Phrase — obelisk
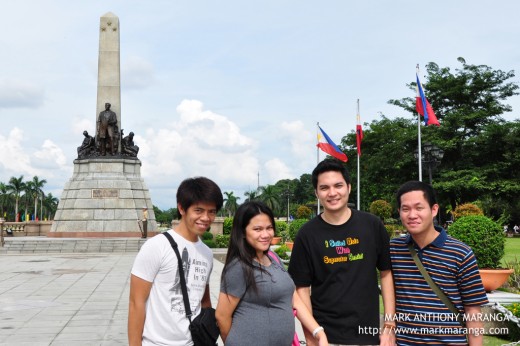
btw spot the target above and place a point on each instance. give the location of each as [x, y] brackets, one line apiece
[106, 194]
[109, 66]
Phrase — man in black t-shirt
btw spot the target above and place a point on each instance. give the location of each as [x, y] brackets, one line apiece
[337, 255]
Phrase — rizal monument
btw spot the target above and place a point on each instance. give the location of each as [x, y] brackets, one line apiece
[106, 196]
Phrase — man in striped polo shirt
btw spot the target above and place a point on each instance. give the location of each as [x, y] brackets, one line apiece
[422, 317]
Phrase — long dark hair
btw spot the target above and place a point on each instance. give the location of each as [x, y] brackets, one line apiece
[239, 248]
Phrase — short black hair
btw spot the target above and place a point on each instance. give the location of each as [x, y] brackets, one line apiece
[415, 185]
[328, 165]
[196, 190]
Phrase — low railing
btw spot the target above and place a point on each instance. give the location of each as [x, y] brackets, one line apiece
[22, 229]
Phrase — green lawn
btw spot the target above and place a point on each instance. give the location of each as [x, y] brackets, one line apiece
[512, 250]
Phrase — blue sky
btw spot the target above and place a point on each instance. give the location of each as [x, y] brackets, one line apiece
[231, 90]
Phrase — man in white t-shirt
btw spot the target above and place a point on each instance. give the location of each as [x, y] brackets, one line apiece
[156, 314]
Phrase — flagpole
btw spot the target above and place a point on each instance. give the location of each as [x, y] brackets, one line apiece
[317, 162]
[419, 151]
[358, 158]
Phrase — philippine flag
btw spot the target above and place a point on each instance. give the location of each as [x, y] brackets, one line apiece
[421, 103]
[327, 145]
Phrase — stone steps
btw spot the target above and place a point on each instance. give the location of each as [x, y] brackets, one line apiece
[27, 245]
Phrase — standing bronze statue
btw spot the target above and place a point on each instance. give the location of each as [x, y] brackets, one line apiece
[107, 129]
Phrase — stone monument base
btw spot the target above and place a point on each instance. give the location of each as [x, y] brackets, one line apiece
[104, 198]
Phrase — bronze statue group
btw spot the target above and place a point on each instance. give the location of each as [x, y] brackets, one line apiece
[108, 137]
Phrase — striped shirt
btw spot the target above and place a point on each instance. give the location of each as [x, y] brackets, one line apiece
[422, 318]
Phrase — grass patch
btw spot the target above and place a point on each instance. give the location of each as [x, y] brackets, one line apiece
[512, 250]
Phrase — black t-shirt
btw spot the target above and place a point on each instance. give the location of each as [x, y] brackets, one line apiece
[339, 263]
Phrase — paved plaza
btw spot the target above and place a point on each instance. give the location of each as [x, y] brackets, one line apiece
[68, 299]
[71, 298]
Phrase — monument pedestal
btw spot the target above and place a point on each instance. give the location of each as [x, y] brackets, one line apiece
[104, 198]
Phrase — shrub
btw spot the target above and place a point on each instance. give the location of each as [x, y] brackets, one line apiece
[483, 235]
[392, 229]
[466, 209]
[381, 208]
[281, 228]
[303, 212]
[295, 226]
[207, 236]
[513, 283]
[210, 243]
[281, 251]
[222, 240]
[226, 226]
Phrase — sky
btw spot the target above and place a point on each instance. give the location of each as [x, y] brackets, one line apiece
[231, 90]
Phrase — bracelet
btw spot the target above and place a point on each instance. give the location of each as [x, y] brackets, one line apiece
[388, 326]
[316, 331]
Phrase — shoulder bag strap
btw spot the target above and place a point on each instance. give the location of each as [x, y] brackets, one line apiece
[434, 286]
[181, 274]
[273, 256]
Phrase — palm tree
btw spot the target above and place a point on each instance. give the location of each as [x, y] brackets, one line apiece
[231, 203]
[4, 198]
[251, 195]
[35, 188]
[50, 203]
[16, 186]
[270, 197]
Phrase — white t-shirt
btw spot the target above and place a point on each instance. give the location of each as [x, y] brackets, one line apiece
[166, 322]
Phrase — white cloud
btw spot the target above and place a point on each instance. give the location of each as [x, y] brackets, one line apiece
[202, 143]
[300, 137]
[20, 94]
[81, 124]
[13, 158]
[50, 156]
[277, 170]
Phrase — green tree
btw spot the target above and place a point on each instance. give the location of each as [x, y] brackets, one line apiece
[16, 187]
[303, 212]
[251, 195]
[469, 104]
[50, 205]
[381, 208]
[35, 190]
[480, 160]
[5, 199]
[230, 203]
[270, 197]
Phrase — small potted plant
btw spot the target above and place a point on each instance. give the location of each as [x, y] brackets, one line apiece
[486, 239]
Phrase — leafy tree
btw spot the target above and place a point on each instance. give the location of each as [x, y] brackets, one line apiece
[251, 195]
[381, 208]
[5, 199]
[480, 160]
[230, 203]
[16, 187]
[303, 212]
[466, 209]
[50, 205]
[304, 191]
[468, 103]
[35, 189]
[270, 196]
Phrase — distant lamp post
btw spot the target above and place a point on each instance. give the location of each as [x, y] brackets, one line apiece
[2, 220]
[431, 155]
[288, 195]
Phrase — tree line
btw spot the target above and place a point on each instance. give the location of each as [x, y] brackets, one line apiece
[22, 200]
